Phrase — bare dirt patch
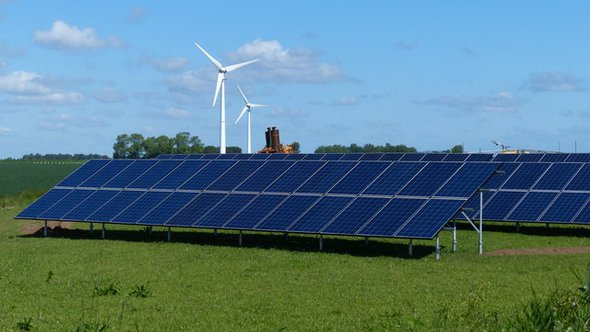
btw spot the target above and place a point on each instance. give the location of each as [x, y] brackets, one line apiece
[54, 226]
[539, 251]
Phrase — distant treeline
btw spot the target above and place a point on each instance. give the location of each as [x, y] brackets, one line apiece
[368, 148]
[135, 146]
[62, 156]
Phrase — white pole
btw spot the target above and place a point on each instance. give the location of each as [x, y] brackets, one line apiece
[454, 236]
[103, 231]
[45, 229]
[222, 122]
[481, 223]
[437, 248]
[249, 135]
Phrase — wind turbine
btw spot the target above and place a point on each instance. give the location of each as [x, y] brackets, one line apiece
[249, 107]
[222, 70]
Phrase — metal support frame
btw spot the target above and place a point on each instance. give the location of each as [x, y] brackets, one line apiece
[45, 229]
[321, 243]
[215, 232]
[91, 228]
[478, 228]
[454, 236]
[240, 239]
[518, 227]
[411, 248]
[103, 230]
[437, 248]
[169, 234]
[366, 241]
[149, 230]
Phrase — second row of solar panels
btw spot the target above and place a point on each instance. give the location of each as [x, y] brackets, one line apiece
[339, 156]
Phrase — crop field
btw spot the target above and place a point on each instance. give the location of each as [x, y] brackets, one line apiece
[131, 280]
[20, 176]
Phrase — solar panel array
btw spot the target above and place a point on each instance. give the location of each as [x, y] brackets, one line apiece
[340, 156]
[358, 195]
[556, 192]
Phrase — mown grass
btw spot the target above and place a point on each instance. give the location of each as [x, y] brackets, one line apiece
[132, 281]
[27, 176]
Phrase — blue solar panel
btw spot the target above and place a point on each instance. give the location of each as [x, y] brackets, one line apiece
[255, 212]
[500, 204]
[155, 174]
[106, 173]
[91, 204]
[480, 157]
[209, 156]
[326, 177]
[181, 174]
[580, 181]
[178, 156]
[43, 203]
[314, 156]
[287, 213]
[164, 156]
[497, 180]
[473, 203]
[434, 157]
[525, 176]
[236, 175]
[578, 157]
[355, 216]
[467, 179]
[394, 178]
[430, 178]
[529, 157]
[226, 156]
[168, 208]
[352, 156]
[269, 172]
[115, 206]
[141, 207]
[565, 207]
[412, 157]
[392, 156]
[295, 176]
[129, 174]
[192, 212]
[372, 156]
[260, 156]
[224, 211]
[391, 217]
[295, 156]
[583, 216]
[320, 214]
[555, 157]
[532, 206]
[208, 174]
[359, 177]
[195, 156]
[277, 156]
[83, 173]
[557, 176]
[431, 218]
[243, 156]
[506, 157]
[66, 204]
[333, 156]
[456, 157]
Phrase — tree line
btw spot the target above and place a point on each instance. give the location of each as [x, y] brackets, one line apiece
[387, 148]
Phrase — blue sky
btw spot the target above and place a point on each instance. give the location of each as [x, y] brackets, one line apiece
[430, 74]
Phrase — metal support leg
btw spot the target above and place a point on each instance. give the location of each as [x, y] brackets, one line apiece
[321, 243]
[437, 248]
[366, 242]
[286, 236]
[45, 229]
[103, 231]
[547, 225]
[454, 236]
[91, 228]
[149, 230]
[480, 244]
[169, 234]
[518, 227]
[215, 232]
[241, 239]
[411, 248]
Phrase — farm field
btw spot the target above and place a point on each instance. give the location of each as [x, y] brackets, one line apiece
[20, 176]
[132, 281]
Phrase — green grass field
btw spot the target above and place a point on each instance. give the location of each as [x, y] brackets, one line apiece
[20, 176]
[132, 281]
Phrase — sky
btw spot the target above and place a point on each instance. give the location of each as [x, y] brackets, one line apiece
[428, 74]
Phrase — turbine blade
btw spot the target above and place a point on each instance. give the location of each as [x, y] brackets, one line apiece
[240, 65]
[218, 86]
[241, 114]
[257, 105]
[243, 95]
[212, 59]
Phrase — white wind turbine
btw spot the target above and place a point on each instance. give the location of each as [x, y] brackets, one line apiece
[248, 108]
[221, 85]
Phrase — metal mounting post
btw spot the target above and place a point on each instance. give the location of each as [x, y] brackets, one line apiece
[321, 243]
[149, 230]
[91, 228]
[103, 231]
[454, 236]
[437, 248]
[366, 241]
[241, 239]
[169, 234]
[215, 232]
[518, 227]
[45, 229]
[411, 248]
[480, 244]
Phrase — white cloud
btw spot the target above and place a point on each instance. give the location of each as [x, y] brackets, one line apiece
[137, 14]
[554, 81]
[283, 64]
[110, 95]
[58, 98]
[164, 64]
[177, 113]
[192, 81]
[500, 103]
[5, 131]
[63, 36]
[30, 88]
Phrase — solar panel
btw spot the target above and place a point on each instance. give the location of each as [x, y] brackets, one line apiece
[565, 207]
[506, 157]
[525, 176]
[583, 216]
[314, 156]
[392, 156]
[333, 156]
[326, 177]
[295, 156]
[115, 206]
[91, 204]
[210, 156]
[224, 211]
[167, 208]
[164, 156]
[557, 176]
[269, 172]
[434, 157]
[193, 211]
[473, 203]
[580, 181]
[320, 214]
[355, 215]
[255, 212]
[467, 179]
[241, 156]
[260, 156]
[531, 206]
[430, 178]
[480, 157]
[178, 156]
[412, 156]
[181, 174]
[555, 157]
[456, 157]
[394, 178]
[195, 156]
[241, 171]
[207, 175]
[83, 173]
[352, 156]
[295, 176]
[226, 156]
[372, 156]
[66, 204]
[391, 217]
[359, 178]
[529, 157]
[43, 203]
[155, 174]
[129, 174]
[578, 157]
[286, 213]
[277, 156]
[504, 172]
[500, 204]
[140, 207]
[431, 218]
[99, 178]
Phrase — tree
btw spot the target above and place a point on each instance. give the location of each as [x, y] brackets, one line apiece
[457, 149]
[121, 147]
[136, 146]
[296, 147]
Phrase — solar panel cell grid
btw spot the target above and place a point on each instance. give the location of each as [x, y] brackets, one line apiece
[504, 172]
[506, 157]
[578, 157]
[431, 218]
[115, 206]
[430, 179]
[326, 177]
[359, 178]
[168, 208]
[196, 209]
[287, 213]
[295, 176]
[557, 176]
[529, 157]
[434, 157]
[45, 202]
[129, 174]
[456, 157]
[314, 156]
[255, 212]
[151, 177]
[500, 204]
[181, 174]
[106, 173]
[392, 156]
[581, 180]
[355, 216]
[480, 157]
[91, 204]
[320, 214]
[241, 171]
[66, 204]
[525, 176]
[467, 179]
[394, 178]
[565, 207]
[333, 156]
[412, 157]
[269, 172]
[83, 173]
[140, 207]
[224, 211]
[372, 156]
[352, 156]
[391, 217]
[208, 174]
[532, 206]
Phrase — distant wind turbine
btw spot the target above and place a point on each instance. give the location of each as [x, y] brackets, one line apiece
[221, 85]
[248, 108]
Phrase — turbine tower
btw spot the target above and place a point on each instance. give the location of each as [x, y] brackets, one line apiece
[222, 70]
[248, 108]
